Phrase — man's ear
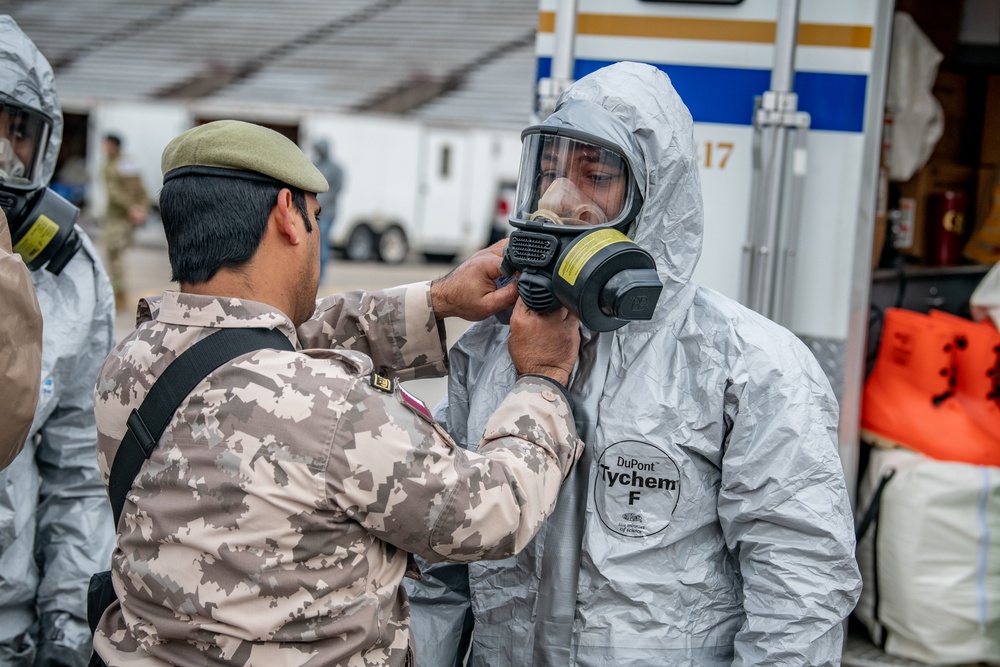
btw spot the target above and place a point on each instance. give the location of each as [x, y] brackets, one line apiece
[285, 216]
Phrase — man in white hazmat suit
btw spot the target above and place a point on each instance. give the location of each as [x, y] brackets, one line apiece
[55, 519]
[710, 522]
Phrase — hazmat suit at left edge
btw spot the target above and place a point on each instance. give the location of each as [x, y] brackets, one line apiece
[20, 349]
[56, 528]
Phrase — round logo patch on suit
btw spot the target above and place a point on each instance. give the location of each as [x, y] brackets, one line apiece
[636, 489]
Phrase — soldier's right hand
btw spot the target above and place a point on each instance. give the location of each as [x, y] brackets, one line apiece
[544, 344]
[137, 215]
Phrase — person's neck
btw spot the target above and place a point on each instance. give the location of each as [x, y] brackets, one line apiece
[246, 284]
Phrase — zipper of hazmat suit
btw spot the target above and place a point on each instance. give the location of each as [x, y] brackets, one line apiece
[560, 569]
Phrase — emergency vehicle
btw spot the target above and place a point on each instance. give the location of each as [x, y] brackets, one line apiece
[789, 215]
[788, 100]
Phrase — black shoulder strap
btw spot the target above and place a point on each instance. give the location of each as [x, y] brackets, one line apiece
[880, 633]
[147, 422]
[871, 514]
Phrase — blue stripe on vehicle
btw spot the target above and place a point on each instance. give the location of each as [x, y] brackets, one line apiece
[834, 102]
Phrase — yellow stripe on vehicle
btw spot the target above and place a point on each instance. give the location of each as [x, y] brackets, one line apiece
[714, 30]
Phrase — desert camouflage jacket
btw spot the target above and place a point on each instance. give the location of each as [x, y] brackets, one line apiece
[272, 523]
[123, 183]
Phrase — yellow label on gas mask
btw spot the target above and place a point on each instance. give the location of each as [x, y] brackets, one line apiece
[36, 239]
[577, 258]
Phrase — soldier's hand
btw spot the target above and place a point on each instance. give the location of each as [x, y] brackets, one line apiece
[544, 344]
[469, 291]
[137, 215]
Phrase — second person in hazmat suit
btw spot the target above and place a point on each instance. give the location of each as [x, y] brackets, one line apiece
[56, 527]
[710, 522]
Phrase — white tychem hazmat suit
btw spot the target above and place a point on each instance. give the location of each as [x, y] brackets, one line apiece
[708, 522]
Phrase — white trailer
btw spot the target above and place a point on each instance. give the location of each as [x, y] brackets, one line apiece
[414, 187]
[410, 186]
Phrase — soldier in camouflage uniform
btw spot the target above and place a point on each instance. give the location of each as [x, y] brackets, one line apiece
[128, 206]
[273, 522]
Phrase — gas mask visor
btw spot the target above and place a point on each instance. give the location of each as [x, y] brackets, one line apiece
[572, 179]
[42, 223]
[575, 198]
[24, 136]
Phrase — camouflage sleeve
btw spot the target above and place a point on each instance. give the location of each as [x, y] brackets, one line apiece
[401, 476]
[136, 191]
[118, 199]
[143, 194]
[124, 186]
[395, 327]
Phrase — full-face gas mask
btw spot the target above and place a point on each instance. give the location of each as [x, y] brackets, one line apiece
[576, 197]
[41, 222]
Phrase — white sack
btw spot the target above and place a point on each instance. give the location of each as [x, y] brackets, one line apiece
[938, 558]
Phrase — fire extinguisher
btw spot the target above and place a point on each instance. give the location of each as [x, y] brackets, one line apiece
[946, 228]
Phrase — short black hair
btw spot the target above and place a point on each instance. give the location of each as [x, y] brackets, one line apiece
[214, 222]
[114, 138]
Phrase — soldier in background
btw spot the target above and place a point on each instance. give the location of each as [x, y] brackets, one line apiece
[273, 520]
[128, 208]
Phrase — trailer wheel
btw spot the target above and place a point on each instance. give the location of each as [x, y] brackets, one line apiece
[439, 257]
[360, 244]
[393, 246]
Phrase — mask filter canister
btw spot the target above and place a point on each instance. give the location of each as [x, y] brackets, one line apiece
[47, 235]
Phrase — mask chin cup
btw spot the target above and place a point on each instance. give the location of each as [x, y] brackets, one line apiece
[584, 215]
[45, 234]
[546, 216]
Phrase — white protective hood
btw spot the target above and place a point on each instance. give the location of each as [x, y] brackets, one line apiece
[635, 107]
[714, 525]
[26, 77]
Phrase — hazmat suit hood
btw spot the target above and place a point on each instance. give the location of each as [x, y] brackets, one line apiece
[636, 107]
[27, 78]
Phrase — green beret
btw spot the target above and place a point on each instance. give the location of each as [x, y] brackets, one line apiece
[241, 150]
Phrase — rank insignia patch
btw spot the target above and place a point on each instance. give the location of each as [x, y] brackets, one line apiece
[381, 382]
